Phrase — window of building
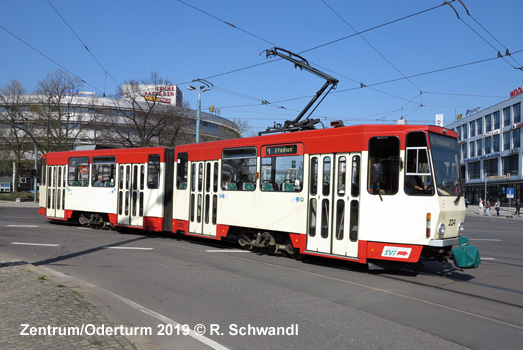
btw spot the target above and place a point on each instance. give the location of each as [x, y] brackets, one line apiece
[491, 167]
[283, 171]
[182, 167]
[510, 165]
[479, 147]
[464, 153]
[516, 137]
[506, 116]
[472, 146]
[517, 112]
[506, 141]
[78, 171]
[239, 169]
[496, 120]
[458, 131]
[153, 171]
[488, 123]
[495, 143]
[488, 145]
[479, 126]
[474, 170]
[384, 163]
[465, 131]
[104, 171]
[472, 127]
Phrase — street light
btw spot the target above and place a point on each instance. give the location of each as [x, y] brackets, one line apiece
[203, 88]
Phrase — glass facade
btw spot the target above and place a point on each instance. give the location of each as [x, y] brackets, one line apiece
[491, 156]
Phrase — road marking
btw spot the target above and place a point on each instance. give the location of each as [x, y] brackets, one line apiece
[485, 239]
[36, 244]
[22, 225]
[226, 251]
[488, 259]
[128, 248]
[164, 319]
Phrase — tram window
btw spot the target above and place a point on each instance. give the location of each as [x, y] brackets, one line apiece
[104, 169]
[340, 218]
[355, 179]
[325, 218]
[354, 212]
[208, 178]
[385, 152]
[181, 172]
[200, 177]
[326, 176]
[78, 174]
[282, 173]
[193, 177]
[215, 180]
[153, 171]
[342, 172]
[239, 169]
[418, 177]
[314, 176]
[312, 217]
[214, 208]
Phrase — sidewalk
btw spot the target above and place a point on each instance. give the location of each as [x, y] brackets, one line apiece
[29, 297]
[505, 212]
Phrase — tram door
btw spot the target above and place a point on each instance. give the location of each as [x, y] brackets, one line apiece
[131, 179]
[204, 198]
[334, 204]
[56, 176]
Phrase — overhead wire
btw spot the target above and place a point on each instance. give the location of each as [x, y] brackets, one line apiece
[47, 57]
[84, 45]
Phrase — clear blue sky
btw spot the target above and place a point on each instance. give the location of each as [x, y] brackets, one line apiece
[182, 41]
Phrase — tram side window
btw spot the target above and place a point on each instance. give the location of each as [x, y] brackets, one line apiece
[282, 173]
[104, 170]
[239, 169]
[78, 174]
[181, 171]
[153, 171]
[384, 154]
[418, 177]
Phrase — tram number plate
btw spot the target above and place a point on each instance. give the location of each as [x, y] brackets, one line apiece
[396, 252]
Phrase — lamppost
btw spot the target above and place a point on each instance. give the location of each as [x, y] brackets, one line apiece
[205, 87]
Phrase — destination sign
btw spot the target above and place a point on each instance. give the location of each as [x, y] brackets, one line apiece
[281, 150]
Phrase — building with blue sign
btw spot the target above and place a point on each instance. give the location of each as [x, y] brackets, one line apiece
[489, 143]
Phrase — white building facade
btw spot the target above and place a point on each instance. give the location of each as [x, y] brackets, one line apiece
[490, 150]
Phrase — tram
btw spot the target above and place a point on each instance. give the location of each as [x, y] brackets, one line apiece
[371, 194]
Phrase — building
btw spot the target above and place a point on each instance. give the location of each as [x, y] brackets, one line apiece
[490, 150]
[81, 118]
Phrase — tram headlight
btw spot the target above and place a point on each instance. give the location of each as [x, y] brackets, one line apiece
[461, 228]
[441, 230]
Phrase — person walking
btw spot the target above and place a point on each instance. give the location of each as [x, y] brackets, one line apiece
[518, 206]
[488, 207]
[497, 206]
[480, 206]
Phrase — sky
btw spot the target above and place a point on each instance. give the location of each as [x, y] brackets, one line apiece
[406, 59]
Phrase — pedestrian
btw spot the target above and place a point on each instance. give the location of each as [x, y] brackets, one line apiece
[518, 206]
[488, 207]
[497, 206]
[480, 206]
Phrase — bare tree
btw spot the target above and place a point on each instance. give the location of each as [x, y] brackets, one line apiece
[142, 117]
[15, 143]
[58, 118]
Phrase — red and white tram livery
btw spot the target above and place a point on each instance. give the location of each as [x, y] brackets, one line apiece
[367, 193]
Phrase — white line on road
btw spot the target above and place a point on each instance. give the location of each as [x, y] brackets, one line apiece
[485, 239]
[226, 251]
[209, 342]
[488, 259]
[36, 244]
[22, 225]
[129, 248]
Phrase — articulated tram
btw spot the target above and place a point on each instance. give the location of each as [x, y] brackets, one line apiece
[367, 193]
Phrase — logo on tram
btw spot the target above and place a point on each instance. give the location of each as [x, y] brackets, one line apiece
[396, 252]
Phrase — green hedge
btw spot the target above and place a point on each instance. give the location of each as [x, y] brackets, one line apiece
[12, 196]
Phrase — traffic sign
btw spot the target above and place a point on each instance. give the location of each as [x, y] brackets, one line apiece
[510, 192]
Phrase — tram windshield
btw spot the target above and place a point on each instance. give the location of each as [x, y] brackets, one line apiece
[446, 165]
